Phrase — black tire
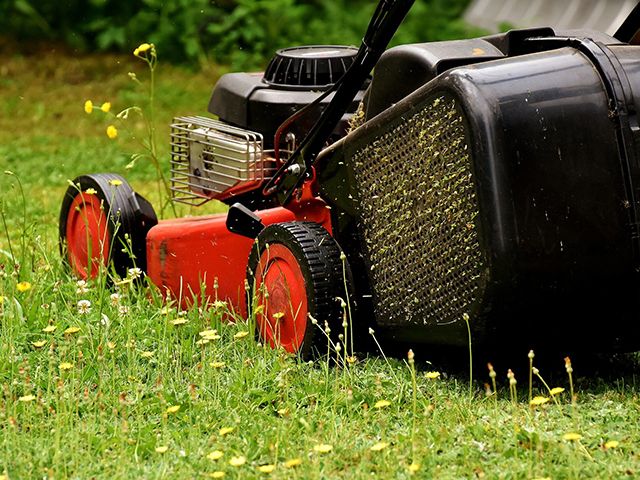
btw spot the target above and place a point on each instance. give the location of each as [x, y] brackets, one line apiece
[128, 217]
[318, 257]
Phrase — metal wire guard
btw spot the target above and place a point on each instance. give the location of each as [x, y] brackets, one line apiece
[209, 157]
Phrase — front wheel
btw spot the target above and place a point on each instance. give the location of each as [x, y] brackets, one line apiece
[296, 273]
[104, 222]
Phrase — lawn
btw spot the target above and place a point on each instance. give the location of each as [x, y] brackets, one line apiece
[100, 382]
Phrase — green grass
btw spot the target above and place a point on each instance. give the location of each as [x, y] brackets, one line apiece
[109, 414]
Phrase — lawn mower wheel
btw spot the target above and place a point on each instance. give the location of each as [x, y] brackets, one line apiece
[102, 222]
[300, 267]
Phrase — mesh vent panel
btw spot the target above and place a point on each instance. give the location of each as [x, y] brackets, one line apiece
[418, 212]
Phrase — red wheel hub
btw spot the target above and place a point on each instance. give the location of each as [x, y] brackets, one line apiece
[87, 235]
[282, 320]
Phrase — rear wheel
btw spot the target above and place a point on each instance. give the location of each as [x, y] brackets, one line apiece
[103, 222]
[295, 273]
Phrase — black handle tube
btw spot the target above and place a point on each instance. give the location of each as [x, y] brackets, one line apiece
[384, 23]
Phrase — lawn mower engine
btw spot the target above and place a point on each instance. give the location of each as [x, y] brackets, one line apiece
[490, 182]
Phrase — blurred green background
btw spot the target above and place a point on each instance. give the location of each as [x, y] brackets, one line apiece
[239, 33]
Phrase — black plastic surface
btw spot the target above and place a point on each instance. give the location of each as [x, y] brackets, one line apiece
[557, 183]
[313, 66]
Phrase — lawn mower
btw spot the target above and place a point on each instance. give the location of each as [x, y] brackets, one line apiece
[485, 186]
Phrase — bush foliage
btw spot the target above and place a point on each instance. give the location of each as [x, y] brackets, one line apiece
[240, 33]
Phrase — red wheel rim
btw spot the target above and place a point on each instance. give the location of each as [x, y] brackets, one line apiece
[87, 235]
[282, 321]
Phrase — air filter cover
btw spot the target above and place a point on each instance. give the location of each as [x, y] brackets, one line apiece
[309, 67]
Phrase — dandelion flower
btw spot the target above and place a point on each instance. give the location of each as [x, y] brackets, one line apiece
[178, 321]
[381, 404]
[237, 461]
[536, 401]
[218, 474]
[111, 345]
[88, 106]
[71, 330]
[106, 107]
[27, 398]
[90, 191]
[294, 462]
[322, 448]
[147, 354]
[283, 411]
[226, 430]
[571, 436]
[39, 343]
[379, 446]
[556, 391]
[414, 467]
[144, 47]
[266, 468]
[84, 307]
[432, 375]
[207, 333]
[215, 455]
[23, 287]
[172, 409]
[611, 444]
[162, 449]
[112, 132]
[65, 366]
[49, 329]
[217, 364]
[241, 334]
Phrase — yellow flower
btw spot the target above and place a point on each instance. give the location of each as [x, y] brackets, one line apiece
[217, 474]
[27, 398]
[379, 446]
[39, 343]
[112, 132]
[381, 404]
[90, 191]
[571, 436]
[536, 401]
[556, 391]
[147, 354]
[217, 364]
[65, 366]
[432, 375]
[207, 333]
[237, 461]
[294, 462]
[612, 444]
[144, 47]
[225, 430]
[1, 299]
[241, 334]
[266, 468]
[414, 467]
[49, 329]
[106, 107]
[322, 448]
[88, 106]
[115, 182]
[162, 449]
[23, 286]
[215, 455]
[173, 409]
[71, 330]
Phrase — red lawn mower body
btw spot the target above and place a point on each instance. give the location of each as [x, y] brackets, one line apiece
[461, 182]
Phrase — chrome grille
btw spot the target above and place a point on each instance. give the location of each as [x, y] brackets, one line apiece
[209, 157]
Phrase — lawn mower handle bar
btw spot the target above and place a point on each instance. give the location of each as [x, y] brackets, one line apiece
[383, 25]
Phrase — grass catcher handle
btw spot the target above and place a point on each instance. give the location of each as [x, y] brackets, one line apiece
[383, 25]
